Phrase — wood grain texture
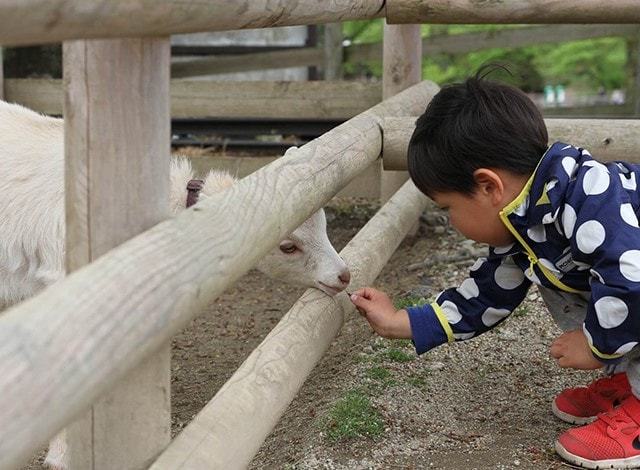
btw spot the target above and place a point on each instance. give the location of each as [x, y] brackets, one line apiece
[260, 99]
[113, 313]
[117, 186]
[606, 139]
[45, 21]
[230, 429]
[512, 11]
[304, 57]
[401, 68]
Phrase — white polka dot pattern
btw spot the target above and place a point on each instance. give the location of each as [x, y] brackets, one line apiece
[469, 289]
[570, 166]
[508, 276]
[627, 214]
[463, 336]
[590, 236]
[625, 348]
[597, 275]
[491, 316]
[533, 277]
[629, 183]
[569, 218]
[479, 262]
[501, 250]
[451, 312]
[611, 311]
[550, 266]
[630, 265]
[595, 181]
[537, 233]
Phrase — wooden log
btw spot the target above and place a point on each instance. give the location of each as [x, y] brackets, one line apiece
[229, 430]
[513, 11]
[444, 44]
[44, 21]
[1, 75]
[402, 67]
[62, 349]
[507, 38]
[333, 52]
[117, 186]
[192, 99]
[606, 139]
[304, 57]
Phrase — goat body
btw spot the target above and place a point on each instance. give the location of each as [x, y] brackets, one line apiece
[32, 222]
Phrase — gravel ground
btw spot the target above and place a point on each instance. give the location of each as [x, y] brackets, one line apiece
[482, 404]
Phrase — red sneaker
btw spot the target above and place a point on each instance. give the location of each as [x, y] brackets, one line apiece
[611, 441]
[581, 405]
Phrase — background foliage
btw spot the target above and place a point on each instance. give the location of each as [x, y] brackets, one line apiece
[586, 65]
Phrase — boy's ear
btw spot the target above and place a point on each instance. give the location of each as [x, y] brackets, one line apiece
[489, 184]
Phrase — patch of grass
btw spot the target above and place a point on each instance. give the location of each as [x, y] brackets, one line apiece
[417, 381]
[397, 355]
[410, 301]
[378, 373]
[353, 416]
[521, 311]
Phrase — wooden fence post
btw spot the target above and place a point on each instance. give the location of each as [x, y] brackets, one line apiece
[117, 185]
[402, 67]
[333, 52]
[1, 75]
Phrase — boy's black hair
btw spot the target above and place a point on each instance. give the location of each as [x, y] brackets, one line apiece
[475, 124]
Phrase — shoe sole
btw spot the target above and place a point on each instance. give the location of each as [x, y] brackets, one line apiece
[567, 418]
[631, 462]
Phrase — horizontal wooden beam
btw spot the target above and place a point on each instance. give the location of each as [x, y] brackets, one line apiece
[506, 38]
[45, 21]
[439, 44]
[230, 429]
[193, 99]
[303, 57]
[606, 139]
[65, 347]
[512, 11]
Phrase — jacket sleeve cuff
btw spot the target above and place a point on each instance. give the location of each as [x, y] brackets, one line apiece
[427, 329]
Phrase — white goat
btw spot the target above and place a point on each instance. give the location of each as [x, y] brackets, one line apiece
[32, 220]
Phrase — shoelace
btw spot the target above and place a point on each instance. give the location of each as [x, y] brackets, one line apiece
[616, 418]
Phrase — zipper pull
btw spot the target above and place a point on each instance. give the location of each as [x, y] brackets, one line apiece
[532, 261]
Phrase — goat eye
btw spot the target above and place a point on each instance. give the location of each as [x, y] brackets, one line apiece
[288, 247]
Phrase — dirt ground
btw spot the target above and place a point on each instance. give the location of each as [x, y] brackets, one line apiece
[481, 404]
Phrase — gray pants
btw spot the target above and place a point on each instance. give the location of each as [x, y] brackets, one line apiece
[568, 311]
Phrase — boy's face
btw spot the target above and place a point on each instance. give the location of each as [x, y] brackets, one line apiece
[475, 216]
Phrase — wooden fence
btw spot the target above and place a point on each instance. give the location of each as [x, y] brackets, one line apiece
[99, 339]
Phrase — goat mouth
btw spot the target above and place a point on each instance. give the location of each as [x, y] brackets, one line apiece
[331, 290]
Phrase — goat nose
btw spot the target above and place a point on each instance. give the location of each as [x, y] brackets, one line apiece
[345, 277]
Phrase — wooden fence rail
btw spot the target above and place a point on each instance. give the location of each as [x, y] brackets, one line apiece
[512, 11]
[60, 350]
[438, 44]
[260, 99]
[46, 21]
[229, 430]
[608, 139]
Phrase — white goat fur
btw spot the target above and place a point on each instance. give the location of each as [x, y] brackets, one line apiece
[32, 220]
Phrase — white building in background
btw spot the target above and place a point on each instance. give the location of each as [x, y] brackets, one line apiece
[284, 36]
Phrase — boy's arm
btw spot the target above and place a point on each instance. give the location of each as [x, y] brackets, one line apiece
[495, 287]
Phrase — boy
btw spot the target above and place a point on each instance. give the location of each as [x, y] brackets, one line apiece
[552, 216]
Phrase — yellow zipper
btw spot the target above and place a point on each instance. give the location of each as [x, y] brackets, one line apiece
[533, 260]
[530, 254]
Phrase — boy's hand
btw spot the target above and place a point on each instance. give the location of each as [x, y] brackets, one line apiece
[572, 350]
[379, 311]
